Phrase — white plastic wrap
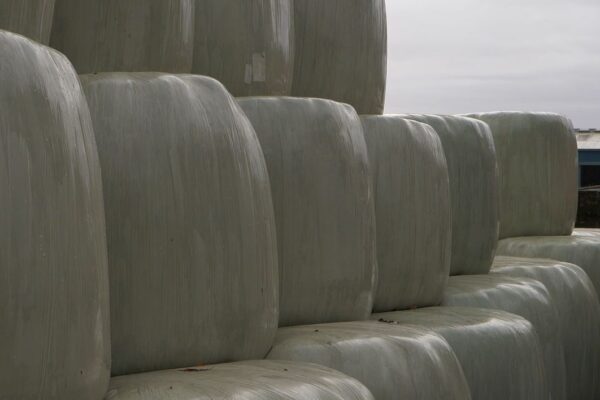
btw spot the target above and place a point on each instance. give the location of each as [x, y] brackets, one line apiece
[31, 18]
[317, 161]
[578, 311]
[499, 352]
[341, 52]
[394, 362]
[54, 328]
[537, 162]
[248, 45]
[191, 232]
[527, 298]
[469, 150]
[250, 380]
[125, 35]
[412, 209]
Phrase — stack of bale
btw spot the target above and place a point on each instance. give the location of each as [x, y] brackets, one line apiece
[537, 163]
[219, 233]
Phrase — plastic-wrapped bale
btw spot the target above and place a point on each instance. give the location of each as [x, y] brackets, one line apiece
[246, 44]
[527, 298]
[507, 365]
[54, 338]
[190, 227]
[316, 159]
[32, 18]
[125, 35]
[395, 362]
[317, 162]
[255, 380]
[341, 52]
[580, 310]
[582, 248]
[191, 239]
[469, 150]
[412, 209]
[537, 162]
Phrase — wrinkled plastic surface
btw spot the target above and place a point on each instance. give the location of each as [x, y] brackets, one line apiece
[125, 35]
[469, 149]
[248, 45]
[191, 233]
[317, 161]
[249, 380]
[31, 18]
[412, 209]
[499, 352]
[579, 313]
[54, 332]
[527, 298]
[537, 162]
[394, 362]
[582, 249]
[341, 52]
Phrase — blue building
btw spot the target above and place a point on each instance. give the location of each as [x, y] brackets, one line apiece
[588, 143]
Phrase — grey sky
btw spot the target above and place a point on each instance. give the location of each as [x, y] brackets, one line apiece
[454, 56]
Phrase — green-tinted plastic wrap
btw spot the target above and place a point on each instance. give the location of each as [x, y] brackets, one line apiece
[248, 45]
[32, 18]
[191, 233]
[469, 150]
[341, 52]
[249, 380]
[499, 352]
[393, 361]
[54, 328]
[537, 163]
[317, 161]
[125, 35]
[527, 298]
[412, 209]
[579, 312]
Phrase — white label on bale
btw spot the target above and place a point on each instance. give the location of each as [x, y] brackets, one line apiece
[259, 67]
[248, 74]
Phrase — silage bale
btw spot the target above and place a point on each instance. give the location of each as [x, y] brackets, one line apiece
[246, 44]
[471, 158]
[341, 52]
[393, 361]
[247, 380]
[412, 209]
[537, 162]
[499, 352]
[191, 234]
[527, 298]
[577, 307]
[54, 335]
[125, 35]
[317, 161]
[582, 248]
[31, 18]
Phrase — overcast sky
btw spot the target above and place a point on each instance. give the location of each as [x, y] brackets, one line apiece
[455, 56]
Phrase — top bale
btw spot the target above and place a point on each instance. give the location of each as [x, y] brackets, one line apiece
[412, 207]
[190, 226]
[317, 161]
[31, 18]
[341, 52]
[246, 44]
[537, 163]
[471, 157]
[54, 327]
[125, 35]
